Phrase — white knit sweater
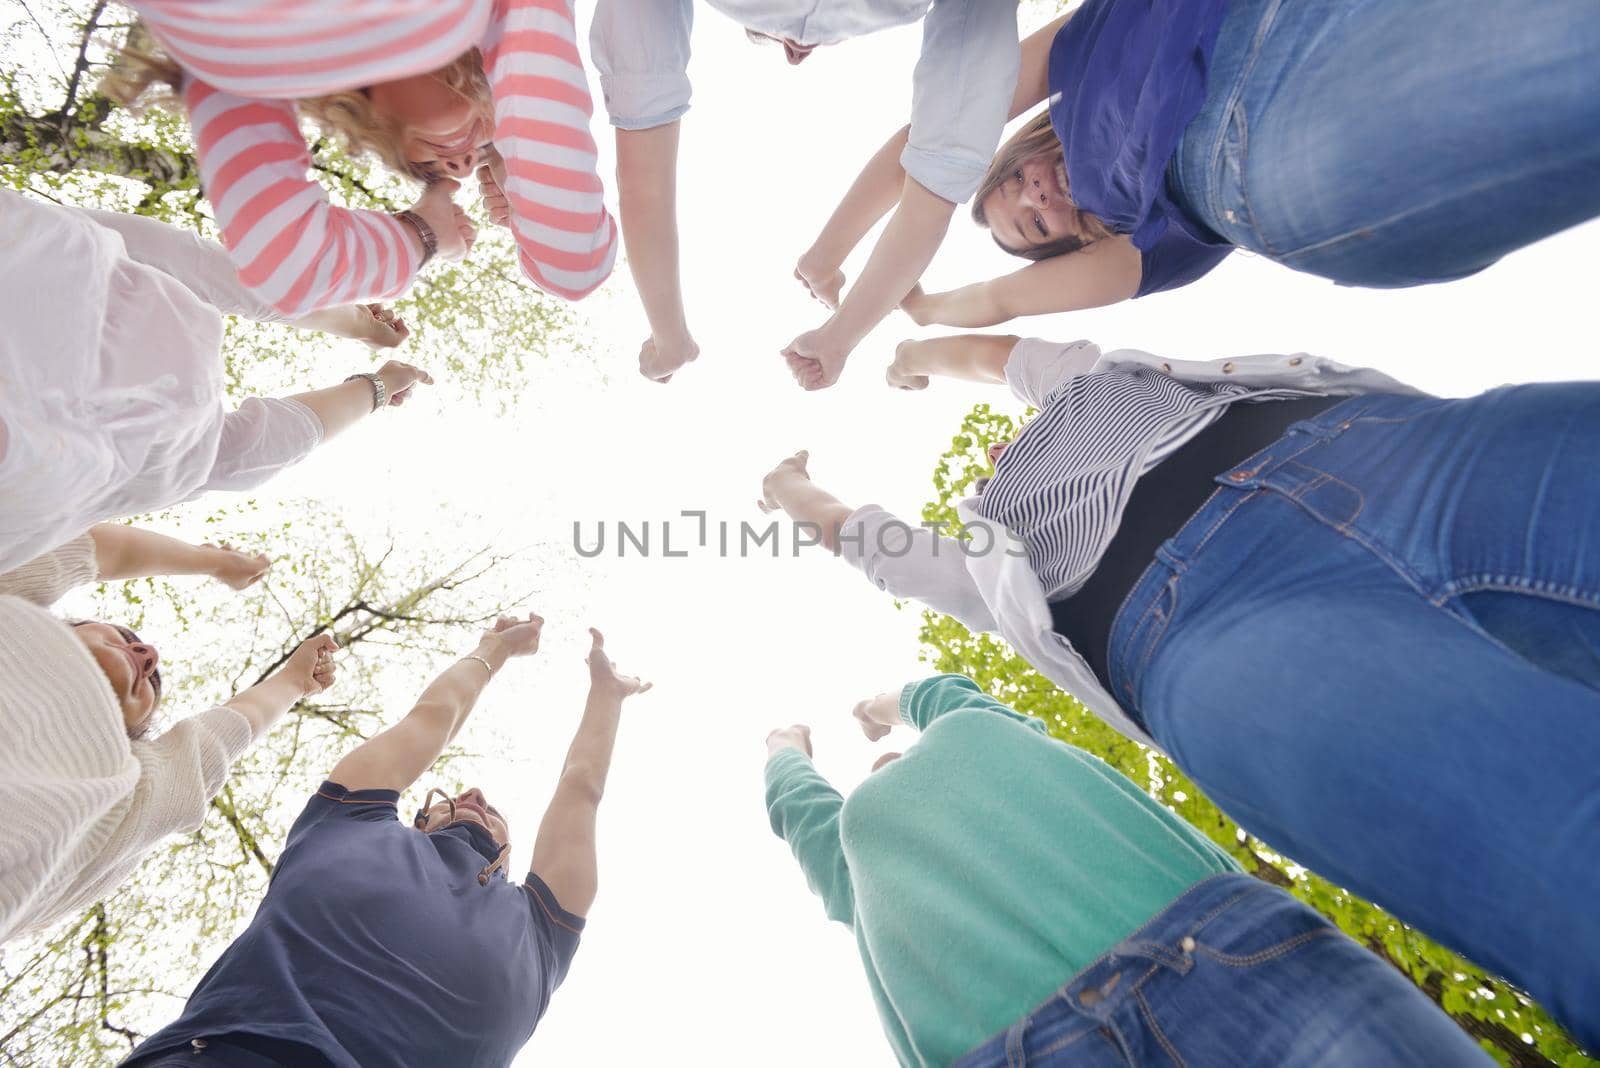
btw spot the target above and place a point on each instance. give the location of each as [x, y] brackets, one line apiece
[82, 803]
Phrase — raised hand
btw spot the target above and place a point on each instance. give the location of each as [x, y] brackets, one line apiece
[399, 378]
[824, 282]
[310, 667]
[234, 569]
[797, 736]
[878, 715]
[660, 358]
[381, 328]
[603, 675]
[787, 471]
[517, 637]
[815, 359]
[900, 374]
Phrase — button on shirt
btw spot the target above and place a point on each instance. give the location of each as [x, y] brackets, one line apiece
[377, 947]
[1069, 486]
[961, 89]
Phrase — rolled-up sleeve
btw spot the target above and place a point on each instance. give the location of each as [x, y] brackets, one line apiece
[264, 436]
[1036, 369]
[914, 562]
[961, 92]
[641, 49]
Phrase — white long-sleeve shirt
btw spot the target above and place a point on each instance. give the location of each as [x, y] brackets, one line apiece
[84, 804]
[111, 376]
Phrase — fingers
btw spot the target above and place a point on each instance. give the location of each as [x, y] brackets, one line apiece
[599, 639]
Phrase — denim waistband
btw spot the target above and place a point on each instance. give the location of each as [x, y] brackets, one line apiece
[1164, 944]
[1144, 613]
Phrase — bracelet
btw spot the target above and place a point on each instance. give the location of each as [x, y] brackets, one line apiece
[380, 392]
[430, 240]
[486, 665]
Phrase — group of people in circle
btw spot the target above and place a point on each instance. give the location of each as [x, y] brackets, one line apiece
[1363, 619]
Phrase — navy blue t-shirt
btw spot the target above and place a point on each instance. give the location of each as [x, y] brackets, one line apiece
[1126, 77]
[376, 946]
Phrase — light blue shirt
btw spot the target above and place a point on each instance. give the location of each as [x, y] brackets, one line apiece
[961, 89]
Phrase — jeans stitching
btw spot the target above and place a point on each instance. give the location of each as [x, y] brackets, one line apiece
[1062, 1043]
[1155, 1029]
[1468, 584]
[1263, 28]
[1323, 478]
[1287, 946]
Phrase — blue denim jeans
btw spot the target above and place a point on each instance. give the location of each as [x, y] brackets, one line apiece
[1234, 973]
[1396, 142]
[1377, 647]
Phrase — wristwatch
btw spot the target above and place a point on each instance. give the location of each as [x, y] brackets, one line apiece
[380, 392]
[430, 240]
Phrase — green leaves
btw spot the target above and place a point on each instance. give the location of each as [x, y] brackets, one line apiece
[1509, 1026]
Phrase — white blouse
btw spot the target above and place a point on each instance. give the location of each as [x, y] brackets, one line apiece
[111, 375]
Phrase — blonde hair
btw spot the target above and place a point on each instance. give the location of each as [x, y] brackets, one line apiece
[143, 74]
[1035, 139]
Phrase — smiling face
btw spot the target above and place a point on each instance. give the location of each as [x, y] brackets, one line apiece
[1031, 208]
[130, 666]
[442, 131]
[469, 807]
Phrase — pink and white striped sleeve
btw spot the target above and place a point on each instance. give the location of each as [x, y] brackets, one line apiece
[291, 247]
[566, 239]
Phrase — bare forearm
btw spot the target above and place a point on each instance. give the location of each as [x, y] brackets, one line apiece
[444, 707]
[872, 195]
[342, 320]
[266, 702]
[339, 407]
[806, 502]
[123, 552]
[968, 357]
[647, 189]
[968, 307]
[902, 254]
[588, 760]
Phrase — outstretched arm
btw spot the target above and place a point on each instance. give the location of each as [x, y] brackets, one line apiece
[900, 559]
[913, 235]
[1106, 272]
[340, 407]
[647, 188]
[308, 671]
[803, 809]
[788, 488]
[876, 190]
[124, 552]
[397, 757]
[267, 434]
[968, 357]
[564, 855]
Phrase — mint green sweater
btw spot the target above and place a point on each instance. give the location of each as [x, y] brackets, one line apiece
[984, 868]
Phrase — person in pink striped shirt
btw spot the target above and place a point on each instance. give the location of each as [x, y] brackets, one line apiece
[433, 88]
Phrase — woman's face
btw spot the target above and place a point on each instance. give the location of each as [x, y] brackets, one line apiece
[1032, 207]
[442, 133]
[130, 666]
[470, 807]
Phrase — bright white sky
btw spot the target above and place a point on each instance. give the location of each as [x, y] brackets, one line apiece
[705, 943]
